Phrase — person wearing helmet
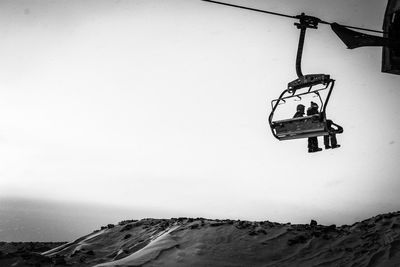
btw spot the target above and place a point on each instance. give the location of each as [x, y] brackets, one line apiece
[300, 111]
[313, 141]
[313, 109]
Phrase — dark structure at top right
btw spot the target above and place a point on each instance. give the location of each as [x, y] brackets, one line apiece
[391, 28]
[390, 40]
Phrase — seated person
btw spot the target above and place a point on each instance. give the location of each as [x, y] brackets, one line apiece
[313, 141]
[300, 111]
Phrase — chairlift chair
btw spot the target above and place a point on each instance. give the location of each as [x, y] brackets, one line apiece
[308, 126]
[302, 127]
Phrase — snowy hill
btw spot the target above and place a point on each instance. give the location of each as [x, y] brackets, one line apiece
[204, 242]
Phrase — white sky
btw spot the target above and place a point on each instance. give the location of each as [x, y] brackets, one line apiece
[164, 105]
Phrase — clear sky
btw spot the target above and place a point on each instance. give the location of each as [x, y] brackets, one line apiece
[164, 104]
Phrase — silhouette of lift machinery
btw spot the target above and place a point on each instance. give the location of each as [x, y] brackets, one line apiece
[313, 84]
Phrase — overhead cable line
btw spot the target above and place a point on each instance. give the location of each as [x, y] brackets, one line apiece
[287, 16]
[252, 9]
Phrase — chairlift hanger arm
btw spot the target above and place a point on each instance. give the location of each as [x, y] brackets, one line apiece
[305, 22]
